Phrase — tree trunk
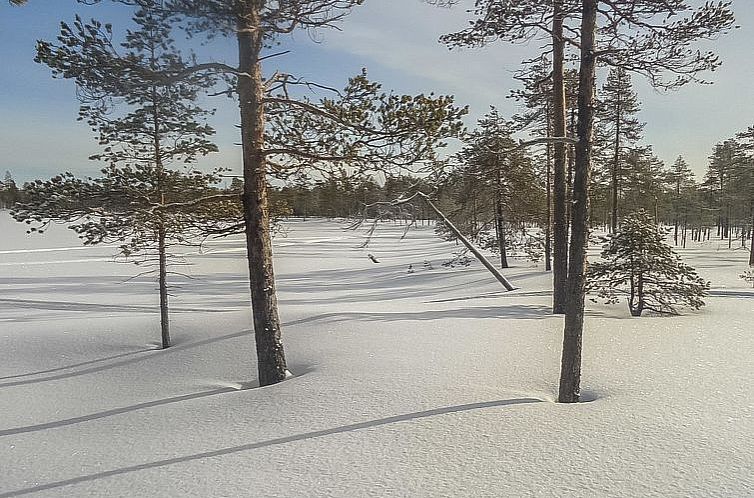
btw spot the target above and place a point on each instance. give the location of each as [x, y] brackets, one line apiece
[161, 233]
[570, 373]
[500, 220]
[728, 228]
[163, 282]
[548, 195]
[459, 236]
[500, 224]
[685, 228]
[615, 173]
[632, 290]
[639, 308]
[560, 222]
[675, 230]
[569, 176]
[751, 241]
[270, 354]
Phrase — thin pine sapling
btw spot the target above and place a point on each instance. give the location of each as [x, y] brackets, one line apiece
[145, 127]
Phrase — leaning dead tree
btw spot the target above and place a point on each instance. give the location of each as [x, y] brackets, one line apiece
[387, 208]
[447, 223]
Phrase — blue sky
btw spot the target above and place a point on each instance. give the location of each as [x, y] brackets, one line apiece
[395, 39]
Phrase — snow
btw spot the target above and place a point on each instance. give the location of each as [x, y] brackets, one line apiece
[432, 383]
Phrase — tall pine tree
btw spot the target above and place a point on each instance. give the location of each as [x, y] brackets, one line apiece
[618, 105]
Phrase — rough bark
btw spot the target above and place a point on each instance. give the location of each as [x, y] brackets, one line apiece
[270, 354]
[548, 212]
[570, 374]
[560, 222]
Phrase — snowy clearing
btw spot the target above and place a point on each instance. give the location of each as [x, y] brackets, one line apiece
[432, 383]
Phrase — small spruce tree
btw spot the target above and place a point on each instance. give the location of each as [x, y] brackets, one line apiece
[639, 264]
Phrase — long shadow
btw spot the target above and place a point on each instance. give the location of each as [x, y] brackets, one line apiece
[115, 411]
[518, 311]
[272, 442]
[75, 365]
[129, 361]
[117, 308]
[731, 293]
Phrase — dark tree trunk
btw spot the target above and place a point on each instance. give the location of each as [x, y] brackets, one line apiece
[615, 173]
[500, 226]
[569, 178]
[632, 290]
[548, 212]
[161, 233]
[560, 223]
[163, 283]
[675, 230]
[751, 241]
[570, 373]
[639, 308]
[728, 228]
[270, 354]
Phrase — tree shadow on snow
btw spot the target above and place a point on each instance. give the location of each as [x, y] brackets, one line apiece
[274, 442]
[81, 364]
[144, 355]
[227, 388]
[110, 308]
[531, 311]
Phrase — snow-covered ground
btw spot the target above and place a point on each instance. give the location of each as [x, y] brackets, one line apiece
[432, 383]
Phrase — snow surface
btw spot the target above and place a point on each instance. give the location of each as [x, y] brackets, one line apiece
[432, 383]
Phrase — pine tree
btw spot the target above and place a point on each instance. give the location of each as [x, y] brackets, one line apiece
[494, 188]
[650, 38]
[745, 176]
[360, 127]
[520, 21]
[719, 179]
[616, 115]
[144, 127]
[637, 263]
[681, 182]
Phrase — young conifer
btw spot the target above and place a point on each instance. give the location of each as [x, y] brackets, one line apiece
[637, 263]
